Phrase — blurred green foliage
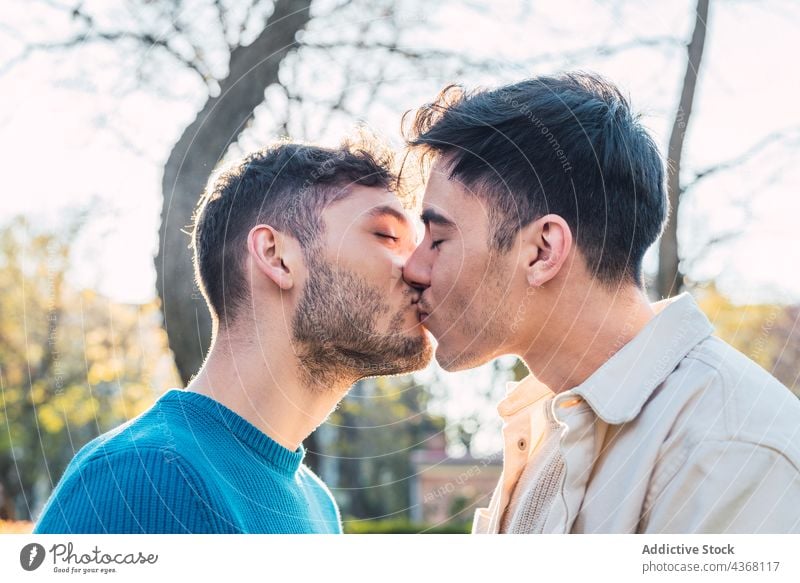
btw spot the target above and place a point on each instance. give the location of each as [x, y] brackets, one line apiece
[373, 433]
[72, 364]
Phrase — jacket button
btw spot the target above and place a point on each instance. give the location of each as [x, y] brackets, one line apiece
[522, 444]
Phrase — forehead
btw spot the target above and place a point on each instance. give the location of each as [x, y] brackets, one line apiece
[449, 196]
[363, 203]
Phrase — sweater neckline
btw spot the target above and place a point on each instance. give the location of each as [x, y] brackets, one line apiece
[282, 458]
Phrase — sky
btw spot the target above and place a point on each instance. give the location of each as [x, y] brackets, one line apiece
[79, 130]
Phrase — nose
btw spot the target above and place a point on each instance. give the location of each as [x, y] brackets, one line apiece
[417, 270]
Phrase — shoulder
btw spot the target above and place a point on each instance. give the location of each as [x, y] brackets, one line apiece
[157, 438]
[719, 412]
[727, 486]
[143, 490]
[721, 394]
[157, 427]
[145, 475]
[132, 461]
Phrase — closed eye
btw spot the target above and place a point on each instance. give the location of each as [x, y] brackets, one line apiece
[390, 237]
[435, 244]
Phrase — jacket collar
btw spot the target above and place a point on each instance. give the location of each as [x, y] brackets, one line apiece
[618, 390]
[521, 394]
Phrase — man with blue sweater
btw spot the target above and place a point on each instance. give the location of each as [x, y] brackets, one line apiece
[298, 251]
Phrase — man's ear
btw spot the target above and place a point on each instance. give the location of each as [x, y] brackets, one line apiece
[546, 243]
[273, 254]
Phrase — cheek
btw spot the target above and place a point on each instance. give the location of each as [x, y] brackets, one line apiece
[365, 260]
[453, 288]
[477, 294]
[443, 282]
[450, 273]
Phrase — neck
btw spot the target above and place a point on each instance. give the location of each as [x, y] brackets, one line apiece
[266, 387]
[591, 330]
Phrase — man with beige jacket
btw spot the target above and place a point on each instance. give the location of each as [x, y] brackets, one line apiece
[542, 198]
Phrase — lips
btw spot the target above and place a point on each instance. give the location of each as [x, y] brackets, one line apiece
[423, 311]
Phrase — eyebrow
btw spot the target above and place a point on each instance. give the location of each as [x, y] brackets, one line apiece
[431, 216]
[384, 210]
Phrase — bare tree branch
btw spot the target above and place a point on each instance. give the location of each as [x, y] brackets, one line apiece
[91, 35]
[690, 263]
[744, 201]
[426, 54]
[710, 171]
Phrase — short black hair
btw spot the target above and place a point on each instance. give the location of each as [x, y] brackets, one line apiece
[286, 185]
[566, 144]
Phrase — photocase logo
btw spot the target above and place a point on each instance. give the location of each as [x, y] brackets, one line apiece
[31, 556]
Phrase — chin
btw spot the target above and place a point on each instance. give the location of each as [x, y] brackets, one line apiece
[418, 354]
[458, 360]
[426, 354]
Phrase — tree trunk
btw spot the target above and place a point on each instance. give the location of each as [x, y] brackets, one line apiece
[203, 143]
[670, 278]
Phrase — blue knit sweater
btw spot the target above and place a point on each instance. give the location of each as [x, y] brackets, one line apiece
[188, 464]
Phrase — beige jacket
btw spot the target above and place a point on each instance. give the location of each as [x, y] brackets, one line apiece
[677, 432]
